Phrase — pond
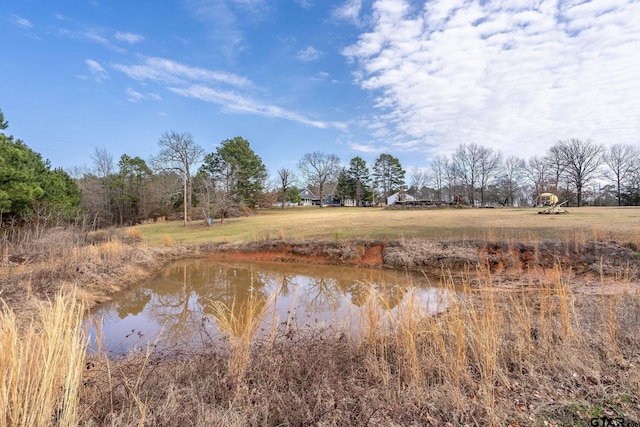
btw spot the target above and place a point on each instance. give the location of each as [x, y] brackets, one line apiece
[178, 307]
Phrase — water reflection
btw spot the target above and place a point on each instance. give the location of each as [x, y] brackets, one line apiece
[177, 305]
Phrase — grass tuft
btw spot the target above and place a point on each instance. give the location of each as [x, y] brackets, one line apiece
[41, 367]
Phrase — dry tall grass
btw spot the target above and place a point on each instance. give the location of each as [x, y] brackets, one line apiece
[41, 367]
[470, 347]
[526, 357]
[240, 323]
[521, 357]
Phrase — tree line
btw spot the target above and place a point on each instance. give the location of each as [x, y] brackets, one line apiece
[30, 189]
[184, 181]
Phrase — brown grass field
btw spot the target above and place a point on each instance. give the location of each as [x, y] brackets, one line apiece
[585, 223]
[523, 355]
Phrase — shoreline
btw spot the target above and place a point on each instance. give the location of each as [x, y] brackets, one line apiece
[99, 269]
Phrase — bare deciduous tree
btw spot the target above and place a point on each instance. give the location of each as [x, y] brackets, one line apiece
[489, 162]
[418, 180]
[179, 152]
[286, 179]
[509, 182]
[438, 175]
[581, 160]
[466, 162]
[320, 170]
[536, 171]
[621, 160]
[556, 166]
[103, 166]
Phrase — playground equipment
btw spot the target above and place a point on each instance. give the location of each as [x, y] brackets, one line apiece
[550, 200]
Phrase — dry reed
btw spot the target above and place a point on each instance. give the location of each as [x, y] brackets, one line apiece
[240, 323]
[41, 367]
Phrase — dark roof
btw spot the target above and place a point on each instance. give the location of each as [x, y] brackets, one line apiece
[307, 194]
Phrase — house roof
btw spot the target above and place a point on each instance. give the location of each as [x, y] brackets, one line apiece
[307, 194]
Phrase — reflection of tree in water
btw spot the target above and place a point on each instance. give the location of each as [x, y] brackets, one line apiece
[391, 294]
[325, 289]
[171, 306]
[134, 303]
[321, 294]
[236, 288]
[177, 299]
[286, 283]
[180, 298]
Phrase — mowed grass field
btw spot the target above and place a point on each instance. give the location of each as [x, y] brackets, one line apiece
[303, 223]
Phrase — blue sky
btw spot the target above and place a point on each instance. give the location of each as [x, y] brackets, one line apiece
[347, 77]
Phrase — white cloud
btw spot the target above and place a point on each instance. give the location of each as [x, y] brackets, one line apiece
[198, 83]
[234, 102]
[135, 96]
[366, 148]
[348, 11]
[309, 54]
[91, 35]
[511, 75]
[97, 71]
[168, 71]
[305, 4]
[22, 22]
[129, 37]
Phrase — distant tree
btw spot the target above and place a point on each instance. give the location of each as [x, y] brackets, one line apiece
[489, 162]
[466, 161]
[536, 171]
[248, 172]
[509, 181]
[286, 179]
[164, 194]
[388, 175]
[631, 194]
[61, 197]
[267, 198]
[556, 167]
[438, 175]
[21, 173]
[476, 166]
[293, 195]
[3, 123]
[130, 181]
[345, 186]
[418, 183]
[622, 161]
[320, 170]
[103, 170]
[217, 182]
[359, 176]
[581, 160]
[606, 195]
[453, 184]
[29, 189]
[179, 152]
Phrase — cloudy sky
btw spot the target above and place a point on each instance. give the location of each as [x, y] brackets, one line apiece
[411, 78]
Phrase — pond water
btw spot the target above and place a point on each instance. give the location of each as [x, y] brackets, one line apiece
[175, 308]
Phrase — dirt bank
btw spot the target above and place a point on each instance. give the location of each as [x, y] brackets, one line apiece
[504, 260]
